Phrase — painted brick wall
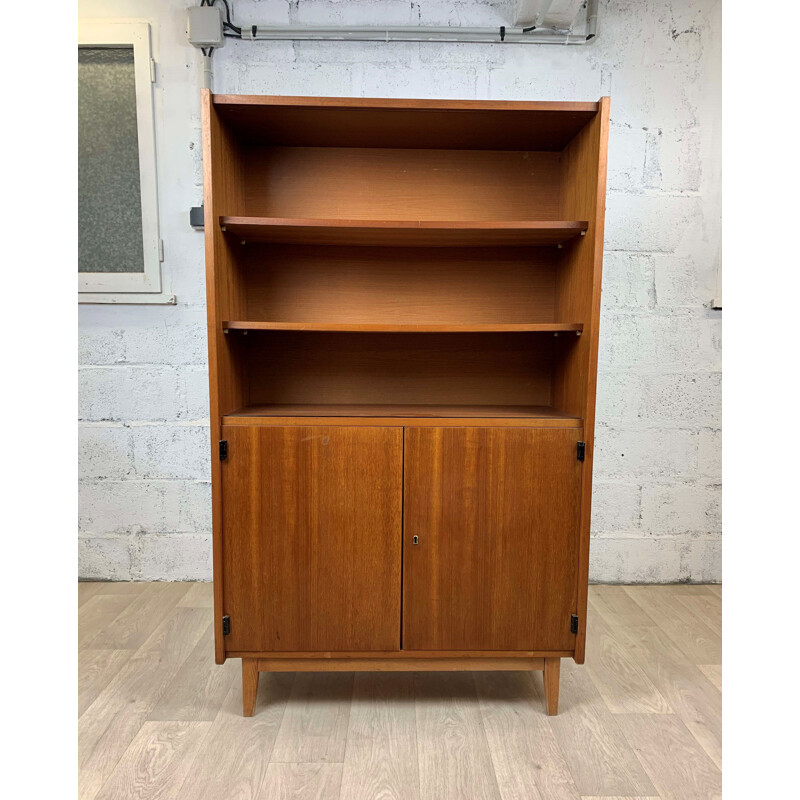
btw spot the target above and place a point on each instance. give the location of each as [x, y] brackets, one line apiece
[144, 436]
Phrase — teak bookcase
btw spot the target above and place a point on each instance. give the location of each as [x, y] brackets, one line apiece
[403, 307]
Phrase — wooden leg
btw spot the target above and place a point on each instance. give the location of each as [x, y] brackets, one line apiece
[249, 686]
[552, 670]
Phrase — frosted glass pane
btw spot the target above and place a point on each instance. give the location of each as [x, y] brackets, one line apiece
[109, 202]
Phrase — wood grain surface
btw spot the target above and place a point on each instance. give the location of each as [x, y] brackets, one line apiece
[312, 538]
[496, 515]
[393, 735]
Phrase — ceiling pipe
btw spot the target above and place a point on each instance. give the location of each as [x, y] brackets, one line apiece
[415, 33]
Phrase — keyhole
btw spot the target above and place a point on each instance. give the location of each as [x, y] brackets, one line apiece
[415, 539]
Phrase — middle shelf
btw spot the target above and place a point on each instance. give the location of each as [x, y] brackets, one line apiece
[370, 327]
[409, 233]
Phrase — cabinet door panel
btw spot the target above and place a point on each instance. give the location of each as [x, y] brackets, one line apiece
[312, 538]
[496, 515]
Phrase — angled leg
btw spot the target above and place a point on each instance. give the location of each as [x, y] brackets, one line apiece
[552, 671]
[249, 686]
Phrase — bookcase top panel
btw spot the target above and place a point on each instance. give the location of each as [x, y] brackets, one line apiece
[400, 123]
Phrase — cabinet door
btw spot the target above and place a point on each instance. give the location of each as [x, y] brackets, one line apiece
[496, 513]
[312, 538]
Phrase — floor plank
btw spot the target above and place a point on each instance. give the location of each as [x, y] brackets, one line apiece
[678, 767]
[692, 697]
[96, 669]
[454, 758]
[112, 721]
[621, 682]
[97, 613]
[158, 718]
[138, 619]
[619, 608]
[302, 782]
[528, 762]
[713, 672]
[314, 726]
[707, 608]
[688, 632]
[381, 755]
[200, 686]
[156, 763]
[200, 595]
[233, 759]
[597, 754]
[87, 590]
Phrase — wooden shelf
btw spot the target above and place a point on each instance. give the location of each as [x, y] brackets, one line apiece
[371, 327]
[544, 416]
[422, 233]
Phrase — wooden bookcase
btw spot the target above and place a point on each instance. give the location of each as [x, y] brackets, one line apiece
[403, 308]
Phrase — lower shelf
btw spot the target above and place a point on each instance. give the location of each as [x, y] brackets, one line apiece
[544, 416]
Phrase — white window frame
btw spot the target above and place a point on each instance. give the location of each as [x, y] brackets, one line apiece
[127, 287]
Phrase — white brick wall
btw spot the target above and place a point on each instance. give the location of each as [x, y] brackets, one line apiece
[144, 437]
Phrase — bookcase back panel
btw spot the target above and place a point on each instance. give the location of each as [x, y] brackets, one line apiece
[296, 283]
[398, 368]
[331, 122]
[395, 184]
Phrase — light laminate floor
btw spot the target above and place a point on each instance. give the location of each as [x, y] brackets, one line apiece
[158, 719]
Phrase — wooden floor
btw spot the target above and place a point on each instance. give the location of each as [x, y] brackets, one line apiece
[158, 719]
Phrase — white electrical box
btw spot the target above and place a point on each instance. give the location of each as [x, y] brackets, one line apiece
[204, 26]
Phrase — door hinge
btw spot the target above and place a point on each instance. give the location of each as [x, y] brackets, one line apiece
[152, 70]
[226, 625]
[223, 449]
[573, 624]
[161, 250]
[581, 451]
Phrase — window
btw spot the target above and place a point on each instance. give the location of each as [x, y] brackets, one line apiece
[119, 248]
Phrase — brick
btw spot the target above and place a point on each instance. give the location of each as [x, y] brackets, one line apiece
[701, 560]
[104, 451]
[709, 453]
[414, 81]
[130, 393]
[536, 72]
[195, 387]
[100, 346]
[354, 52]
[650, 223]
[694, 398]
[659, 96]
[628, 281]
[672, 161]
[629, 560]
[129, 506]
[619, 397]
[615, 506]
[105, 558]
[657, 341]
[626, 158]
[324, 12]
[174, 340]
[626, 453]
[195, 507]
[172, 452]
[173, 557]
[333, 80]
[680, 508]
[677, 282]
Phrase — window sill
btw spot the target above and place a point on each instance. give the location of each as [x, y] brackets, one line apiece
[131, 298]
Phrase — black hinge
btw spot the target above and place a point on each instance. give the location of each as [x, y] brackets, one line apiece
[223, 449]
[581, 451]
[573, 624]
[226, 625]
